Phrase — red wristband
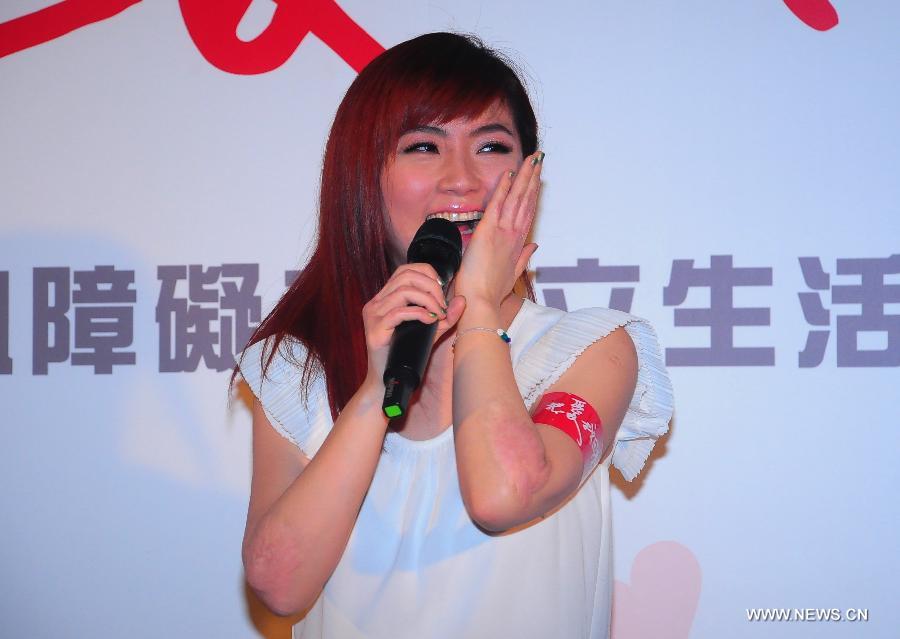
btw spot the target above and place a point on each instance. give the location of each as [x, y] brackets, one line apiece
[576, 418]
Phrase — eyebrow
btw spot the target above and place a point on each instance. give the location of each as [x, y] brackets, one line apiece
[487, 128]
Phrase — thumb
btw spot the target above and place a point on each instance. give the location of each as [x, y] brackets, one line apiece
[454, 311]
[522, 263]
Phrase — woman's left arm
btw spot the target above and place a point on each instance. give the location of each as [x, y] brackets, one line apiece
[511, 469]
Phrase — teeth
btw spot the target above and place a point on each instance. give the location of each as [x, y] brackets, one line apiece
[455, 216]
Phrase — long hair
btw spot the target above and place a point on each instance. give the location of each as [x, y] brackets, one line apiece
[431, 79]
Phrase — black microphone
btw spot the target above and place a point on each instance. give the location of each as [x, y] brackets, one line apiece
[438, 243]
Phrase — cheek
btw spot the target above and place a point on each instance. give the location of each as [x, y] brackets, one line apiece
[411, 192]
[404, 194]
[403, 188]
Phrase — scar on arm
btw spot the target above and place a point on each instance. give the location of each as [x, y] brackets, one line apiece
[520, 452]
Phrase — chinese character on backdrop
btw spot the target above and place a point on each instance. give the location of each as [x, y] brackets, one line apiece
[205, 314]
[870, 294]
[722, 316]
[6, 364]
[588, 270]
[101, 304]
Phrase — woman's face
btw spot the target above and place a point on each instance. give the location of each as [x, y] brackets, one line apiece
[446, 169]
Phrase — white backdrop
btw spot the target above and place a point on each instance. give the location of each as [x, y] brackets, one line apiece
[673, 131]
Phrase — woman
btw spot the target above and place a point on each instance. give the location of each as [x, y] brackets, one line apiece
[496, 525]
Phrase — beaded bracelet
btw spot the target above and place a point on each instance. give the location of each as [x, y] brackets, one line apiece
[498, 331]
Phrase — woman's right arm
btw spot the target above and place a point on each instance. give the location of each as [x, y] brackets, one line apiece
[303, 510]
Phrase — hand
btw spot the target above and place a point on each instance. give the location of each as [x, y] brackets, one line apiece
[411, 293]
[497, 254]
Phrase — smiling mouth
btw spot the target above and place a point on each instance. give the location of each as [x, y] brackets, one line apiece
[465, 222]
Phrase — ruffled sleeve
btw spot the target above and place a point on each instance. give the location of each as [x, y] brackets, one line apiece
[648, 415]
[305, 421]
[650, 409]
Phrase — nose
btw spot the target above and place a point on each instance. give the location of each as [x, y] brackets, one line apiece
[459, 174]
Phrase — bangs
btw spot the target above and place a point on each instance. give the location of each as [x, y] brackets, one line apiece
[440, 100]
[440, 77]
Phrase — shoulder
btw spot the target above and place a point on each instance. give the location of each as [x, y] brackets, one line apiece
[652, 401]
[551, 333]
[611, 340]
[605, 330]
[265, 360]
[614, 351]
[624, 340]
[599, 356]
[296, 405]
[596, 321]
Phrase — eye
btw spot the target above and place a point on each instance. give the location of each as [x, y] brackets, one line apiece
[421, 147]
[495, 147]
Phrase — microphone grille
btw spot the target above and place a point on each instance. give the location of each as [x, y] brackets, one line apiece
[441, 230]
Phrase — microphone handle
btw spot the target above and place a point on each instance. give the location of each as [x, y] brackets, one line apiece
[410, 349]
[438, 243]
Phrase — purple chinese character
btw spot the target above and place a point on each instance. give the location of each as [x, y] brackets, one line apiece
[814, 312]
[49, 316]
[588, 270]
[103, 314]
[104, 318]
[871, 294]
[206, 325]
[5, 359]
[239, 288]
[721, 317]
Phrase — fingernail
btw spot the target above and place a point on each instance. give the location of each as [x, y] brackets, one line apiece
[512, 174]
[440, 282]
[432, 314]
[537, 158]
[444, 309]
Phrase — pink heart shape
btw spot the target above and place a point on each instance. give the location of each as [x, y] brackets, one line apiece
[661, 599]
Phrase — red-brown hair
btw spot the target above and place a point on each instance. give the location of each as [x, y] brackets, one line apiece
[431, 79]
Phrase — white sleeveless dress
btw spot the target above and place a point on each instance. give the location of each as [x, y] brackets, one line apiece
[416, 566]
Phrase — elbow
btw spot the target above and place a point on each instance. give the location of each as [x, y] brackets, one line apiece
[275, 579]
[493, 512]
[279, 606]
[279, 601]
[502, 479]
[509, 504]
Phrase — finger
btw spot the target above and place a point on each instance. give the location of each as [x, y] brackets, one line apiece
[495, 204]
[454, 311]
[517, 193]
[418, 267]
[524, 215]
[404, 271]
[431, 281]
[420, 276]
[522, 263]
[406, 295]
[428, 296]
[396, 316]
